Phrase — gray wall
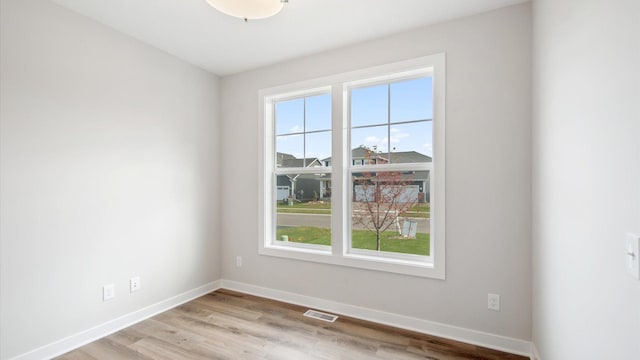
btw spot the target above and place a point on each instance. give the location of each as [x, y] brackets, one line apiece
[488, 178]
[108, 155]
[586, 188]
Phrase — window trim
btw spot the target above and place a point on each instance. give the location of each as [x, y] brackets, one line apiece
[339, 253]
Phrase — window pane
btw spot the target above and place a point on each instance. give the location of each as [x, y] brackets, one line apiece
[390, 212]
[411, 142]
[318, 146]
[289, 150]
[295, 119]
[369, 105]
[304, 209]
[290, 116]
[318, 112]
[375, 139]
[412, 100]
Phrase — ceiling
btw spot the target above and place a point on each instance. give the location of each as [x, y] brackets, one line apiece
[195, 32]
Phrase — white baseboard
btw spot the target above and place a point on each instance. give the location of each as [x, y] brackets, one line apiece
[488, 340]
[535, 355]
[479, 338]
[74, 341]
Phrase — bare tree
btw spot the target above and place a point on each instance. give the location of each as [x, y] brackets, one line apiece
[380, 198]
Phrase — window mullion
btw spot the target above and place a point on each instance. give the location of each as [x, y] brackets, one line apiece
[307, 170]
[393, 167]
[339, 150]
[304, 129]
[389, 122]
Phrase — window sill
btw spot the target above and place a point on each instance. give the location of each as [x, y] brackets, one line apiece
[412, 267]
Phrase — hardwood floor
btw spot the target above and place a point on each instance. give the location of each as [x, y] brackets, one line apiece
[231, 325]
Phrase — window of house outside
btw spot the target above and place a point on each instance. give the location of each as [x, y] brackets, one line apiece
[353, 169]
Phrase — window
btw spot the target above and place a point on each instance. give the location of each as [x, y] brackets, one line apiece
[391, 123]
[302, 126]
[353, 169]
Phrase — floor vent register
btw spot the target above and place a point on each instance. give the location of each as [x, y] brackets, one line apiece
[321, 316]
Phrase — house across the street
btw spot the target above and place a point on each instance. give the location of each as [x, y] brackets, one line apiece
[306, 187]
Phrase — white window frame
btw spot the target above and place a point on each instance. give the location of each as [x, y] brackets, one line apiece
[339, 253]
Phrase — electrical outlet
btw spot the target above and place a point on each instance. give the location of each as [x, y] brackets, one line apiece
[134, 284]
[239, 261]
[493, 302]
[108, 292]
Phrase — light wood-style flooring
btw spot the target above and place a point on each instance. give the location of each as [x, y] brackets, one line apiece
[231, 325]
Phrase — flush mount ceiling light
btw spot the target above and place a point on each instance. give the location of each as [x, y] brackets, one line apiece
[248, 9]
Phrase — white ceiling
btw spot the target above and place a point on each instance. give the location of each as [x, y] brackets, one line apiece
[195, 32]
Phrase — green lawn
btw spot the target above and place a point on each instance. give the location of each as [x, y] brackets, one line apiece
[285, 210]
[362, 239]
[306, 234]
[305, 207]
[417, 211]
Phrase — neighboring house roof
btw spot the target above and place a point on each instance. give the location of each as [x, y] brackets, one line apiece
[398, 157]
[401, 157]
[287, 160]
[361, 152]
[282, 156]
[301, 162]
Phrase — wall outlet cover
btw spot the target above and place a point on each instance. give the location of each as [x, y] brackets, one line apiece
[108, 292]
[493, 302]
[134, 284]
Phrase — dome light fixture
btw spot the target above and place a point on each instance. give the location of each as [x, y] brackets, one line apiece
[248, 9]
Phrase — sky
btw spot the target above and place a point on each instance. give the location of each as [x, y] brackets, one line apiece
[410, 100]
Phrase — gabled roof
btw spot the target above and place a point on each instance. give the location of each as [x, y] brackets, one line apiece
[401, 157]
[301, 162]
[280, 157]
[397, 157]
[362, 153]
